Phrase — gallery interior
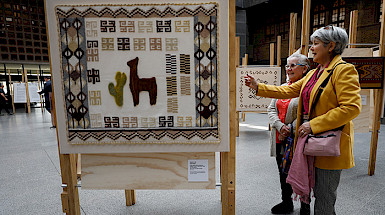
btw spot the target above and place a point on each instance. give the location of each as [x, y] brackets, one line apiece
[33, 177]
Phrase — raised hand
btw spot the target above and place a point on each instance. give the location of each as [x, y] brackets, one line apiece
[251, 82]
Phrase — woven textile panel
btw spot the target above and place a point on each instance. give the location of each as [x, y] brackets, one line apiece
[140, 73]
[247, 100]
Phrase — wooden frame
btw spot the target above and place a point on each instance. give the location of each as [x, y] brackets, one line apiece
[70, 196]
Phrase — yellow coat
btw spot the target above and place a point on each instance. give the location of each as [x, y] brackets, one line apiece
[338, 105]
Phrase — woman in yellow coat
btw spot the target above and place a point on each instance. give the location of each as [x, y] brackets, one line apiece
[337, 106]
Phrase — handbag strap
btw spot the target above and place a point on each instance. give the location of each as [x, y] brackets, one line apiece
[323, 85]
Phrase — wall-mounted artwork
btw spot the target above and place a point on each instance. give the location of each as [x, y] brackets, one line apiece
[247, 100]
[144, 73]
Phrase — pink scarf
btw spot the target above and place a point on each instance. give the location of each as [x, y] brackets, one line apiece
[301, 173]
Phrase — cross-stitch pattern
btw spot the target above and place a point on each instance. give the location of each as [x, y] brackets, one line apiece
[155, 44]
[130, 122]
[148, 122]
[72, 34]
[124, 44]
[166, 121]
[185, 88]
[91, 28]
[92, 50]
[172, 105]
[171, 44]
[205, 73]
[168, 56]
[93, 75]
[182, 26]
[95, 97]
[184, 121]
[171, 86]
[163, 26]
[127, 26]
[107, 26]
[184, 63]
[145, 27]
[96, 120]
[246, 99]
[170, 63]
[107, 44]
[111, 122]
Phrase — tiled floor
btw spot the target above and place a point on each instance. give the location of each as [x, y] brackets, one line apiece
[30, 181]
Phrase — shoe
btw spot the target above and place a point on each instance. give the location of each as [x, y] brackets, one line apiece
[305, 209]
[283, 208]
[52, 127]
[10, 114]
[1, 114]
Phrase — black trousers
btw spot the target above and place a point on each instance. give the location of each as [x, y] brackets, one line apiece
[286, 189]
[3, 105]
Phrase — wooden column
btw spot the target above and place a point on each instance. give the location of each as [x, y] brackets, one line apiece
[293, 33]
[11, 90]
[27, 91]
[378, 101]
[279, 40]
[237, 54]
[305, 27]
[353, 28]
[271, 54]
[228, 158]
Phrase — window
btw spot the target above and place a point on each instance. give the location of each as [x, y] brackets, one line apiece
[319, 17]
[338, 14]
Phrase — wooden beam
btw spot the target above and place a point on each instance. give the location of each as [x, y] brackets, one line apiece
[305, 27]
[271, 54]
[353, 28]
[27, 90]
[293, 33]
[279, 40]
[228, 158]
[378, 100]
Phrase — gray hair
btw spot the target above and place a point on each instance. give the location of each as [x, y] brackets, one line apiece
[302, 59]
[332, 34]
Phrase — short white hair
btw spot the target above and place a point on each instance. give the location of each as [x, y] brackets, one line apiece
[332, 34]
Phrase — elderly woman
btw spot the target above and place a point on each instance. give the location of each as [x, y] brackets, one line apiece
[283, 119]
[337, 106]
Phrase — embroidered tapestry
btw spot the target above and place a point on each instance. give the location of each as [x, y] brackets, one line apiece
[370, 70]
[140, 73]
[247, 100]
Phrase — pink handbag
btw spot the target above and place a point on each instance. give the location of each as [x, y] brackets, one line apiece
[324, 144]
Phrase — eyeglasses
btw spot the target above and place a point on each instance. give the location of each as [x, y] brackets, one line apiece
[293, 65]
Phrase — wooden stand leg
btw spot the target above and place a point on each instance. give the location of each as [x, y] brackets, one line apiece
[375, 128]
[228, 158]
[243, 116]
[237, 124]
[130, 197]
[70, 195]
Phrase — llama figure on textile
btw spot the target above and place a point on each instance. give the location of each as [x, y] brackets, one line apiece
[141, 84]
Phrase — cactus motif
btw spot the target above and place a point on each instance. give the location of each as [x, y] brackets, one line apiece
[117, 91]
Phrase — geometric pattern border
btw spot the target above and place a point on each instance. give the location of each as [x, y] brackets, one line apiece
[143, 134]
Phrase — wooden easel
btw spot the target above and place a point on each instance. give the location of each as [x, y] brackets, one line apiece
[378, 102]
[70, 195]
